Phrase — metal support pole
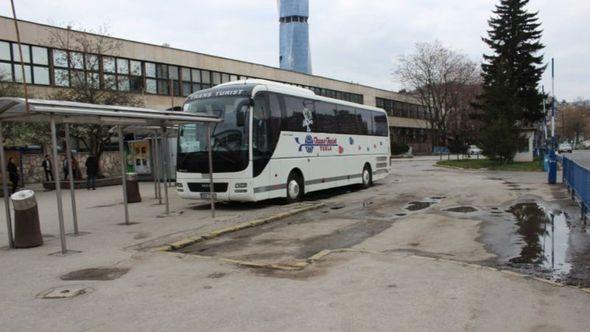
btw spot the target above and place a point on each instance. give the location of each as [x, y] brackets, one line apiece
[166, 165]
[72, 185]
[60, 213]
[123, 171]
[158, 167]
[153, 161]
[211, 189]
[5, 190]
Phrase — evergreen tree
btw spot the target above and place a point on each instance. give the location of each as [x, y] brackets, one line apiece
[511, 99]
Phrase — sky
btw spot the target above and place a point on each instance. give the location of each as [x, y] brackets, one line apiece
[359, 41]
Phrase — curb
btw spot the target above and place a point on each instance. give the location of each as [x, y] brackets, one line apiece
[216, 233]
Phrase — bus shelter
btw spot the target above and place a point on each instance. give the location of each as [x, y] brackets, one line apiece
[116, 117]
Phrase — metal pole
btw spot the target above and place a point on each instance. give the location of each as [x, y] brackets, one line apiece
[123, 171]
[153, 161]
[553, 101]
[72, 185]
[544, 114]
[165, 161]
[211, 189]
[22, 61]
[5, 190]
[158, 167]
[60, 213]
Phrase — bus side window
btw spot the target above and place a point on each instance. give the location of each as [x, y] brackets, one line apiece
[365, 119]
[325, 117]
[293, 119]
[380, 121]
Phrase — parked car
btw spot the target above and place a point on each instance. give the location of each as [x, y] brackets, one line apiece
[473, 150]
[564, 147]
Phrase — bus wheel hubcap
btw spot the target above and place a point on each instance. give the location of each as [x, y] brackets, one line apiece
[365, 176]
[293, 189]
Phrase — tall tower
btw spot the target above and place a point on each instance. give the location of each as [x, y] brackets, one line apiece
[294, 53]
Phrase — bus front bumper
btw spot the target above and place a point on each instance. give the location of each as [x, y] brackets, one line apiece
[224, 189]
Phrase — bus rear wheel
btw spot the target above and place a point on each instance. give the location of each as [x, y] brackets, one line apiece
[367, 177]
[294, 188]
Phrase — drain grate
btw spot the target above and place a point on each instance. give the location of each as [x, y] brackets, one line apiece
[64, 292]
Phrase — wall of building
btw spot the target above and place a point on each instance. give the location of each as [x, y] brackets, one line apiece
[32, 172]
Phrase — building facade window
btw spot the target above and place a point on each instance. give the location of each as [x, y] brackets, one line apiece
[63, 68]
[402, 109]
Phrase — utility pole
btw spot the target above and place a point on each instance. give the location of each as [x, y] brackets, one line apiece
[553, 110]
[544, 113]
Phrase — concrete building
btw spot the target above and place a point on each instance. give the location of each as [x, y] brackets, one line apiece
[162, 76]
[294, 35]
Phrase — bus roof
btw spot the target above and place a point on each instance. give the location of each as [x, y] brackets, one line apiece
[295, 91]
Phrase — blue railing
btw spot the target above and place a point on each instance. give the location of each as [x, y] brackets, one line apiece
[577, 180]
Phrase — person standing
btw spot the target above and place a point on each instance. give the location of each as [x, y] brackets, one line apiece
[47, 168]
[64, 166]
[12, 173]
[76, 169]
[91, 172]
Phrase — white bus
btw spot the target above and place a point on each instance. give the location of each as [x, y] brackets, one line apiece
[278, 140]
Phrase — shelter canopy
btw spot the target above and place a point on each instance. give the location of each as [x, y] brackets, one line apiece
[14, 109]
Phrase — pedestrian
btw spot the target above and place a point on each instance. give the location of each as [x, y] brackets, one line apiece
[47, 168]
[12, 173]
[64, 165]
[76, 169]
[91, 172]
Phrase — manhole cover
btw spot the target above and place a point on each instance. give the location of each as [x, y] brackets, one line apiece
[95, 274]
[64, 292]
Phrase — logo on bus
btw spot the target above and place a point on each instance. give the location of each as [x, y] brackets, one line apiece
[307, 119]
[324, 144]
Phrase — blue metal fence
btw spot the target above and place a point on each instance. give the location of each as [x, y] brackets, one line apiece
[577, 180]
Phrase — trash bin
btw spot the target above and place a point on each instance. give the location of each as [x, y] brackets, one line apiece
[552, 164]
[27, 231]
[133, 195]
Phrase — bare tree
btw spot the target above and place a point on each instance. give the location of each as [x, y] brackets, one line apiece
[86, 53]
[438, 77]
[464, 123]
[20, 133]
[573, 120]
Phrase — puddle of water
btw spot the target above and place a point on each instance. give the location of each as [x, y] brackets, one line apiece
[543, 237]
[95, 274]
[337, 206]
[216, 275]
[462, 209]
[415, 206]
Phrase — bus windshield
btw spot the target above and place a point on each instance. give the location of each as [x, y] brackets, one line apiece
[229, 138]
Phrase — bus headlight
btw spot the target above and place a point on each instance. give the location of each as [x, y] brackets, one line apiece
[241, 185]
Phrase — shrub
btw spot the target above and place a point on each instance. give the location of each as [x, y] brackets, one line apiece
[399, 148]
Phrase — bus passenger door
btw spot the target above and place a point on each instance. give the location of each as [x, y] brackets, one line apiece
[261, 152]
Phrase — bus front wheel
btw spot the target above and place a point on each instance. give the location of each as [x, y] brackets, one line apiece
[367, 176]
[294, 188]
